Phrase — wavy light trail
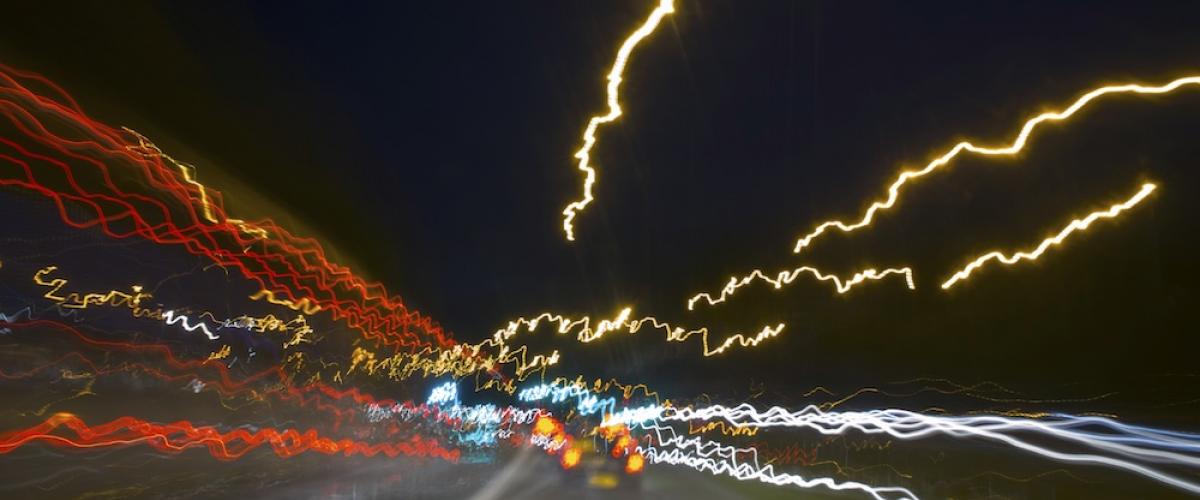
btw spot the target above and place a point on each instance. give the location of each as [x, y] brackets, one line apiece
[787, 277]
[171, 318]
[584, 154]
[711, 456]
[164, 210]
[1057, 239]
[1133, 448]
[1012, 149]
[621, 322]
[179, 436]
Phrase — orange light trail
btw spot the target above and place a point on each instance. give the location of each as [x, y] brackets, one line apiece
[179, 436]
[614, 111]
[1057, 239]
[1009, 150]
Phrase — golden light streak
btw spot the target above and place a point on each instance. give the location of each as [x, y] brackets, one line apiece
[742, 340]
[614, 111]
[302, 305]
[1017, 145]
[726, 429]
[786, 277]
[1057, 239]
[621, 322]
[149, 149]
[220, 354]
[74, 300]
[249, 228]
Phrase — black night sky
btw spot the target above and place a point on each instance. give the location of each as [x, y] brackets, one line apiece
[431, 144]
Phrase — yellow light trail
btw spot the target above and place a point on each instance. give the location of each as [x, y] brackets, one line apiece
[787, 277]
[742, 340]
[1057, 239]
[302, 305]
[1017, 145]
[621, 322]
[74, 300]
[149, 149]
[726, 429]
[614, 111]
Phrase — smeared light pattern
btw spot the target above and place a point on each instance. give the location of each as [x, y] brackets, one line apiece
[188, 171]
[715, 458]
[585, 332]
[478, 414]
[1009, 150]
[571, 457]
[587, 403]
[442, 394]
[1134, 448]
[171, 318]
[635, 464]
[74, 300]
[614, 111]
[1057, 239]
[130, 191]
[633, 416]
[728, 430]
[179, 436]
[302, 305]
[168, 206]
[787, 277]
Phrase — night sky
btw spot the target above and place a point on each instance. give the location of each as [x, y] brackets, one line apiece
[431, 145]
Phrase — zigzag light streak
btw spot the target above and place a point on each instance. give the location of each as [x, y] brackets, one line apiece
[587, 403]
[188, 172]
[163, 210]
[1012, 149]
[27, 312]
[1057, 239]
[179, 436]
[614, 111]
[1129, 442]
[302, 305]
[711, 456]
[586, 333]
[170, 318]
[787, 277]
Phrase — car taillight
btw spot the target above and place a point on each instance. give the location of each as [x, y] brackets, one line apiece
[571, 457]
[635, 463]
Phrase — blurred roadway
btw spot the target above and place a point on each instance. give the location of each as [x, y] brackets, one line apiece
[530, 475]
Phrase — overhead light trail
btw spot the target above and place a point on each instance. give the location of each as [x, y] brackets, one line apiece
[786, 278]
[1017, 145]
[614, 111]
[621, 322]
[1057, 239]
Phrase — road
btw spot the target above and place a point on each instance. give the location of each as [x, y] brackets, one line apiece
[530, 476]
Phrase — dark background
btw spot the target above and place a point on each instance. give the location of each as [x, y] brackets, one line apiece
[431, 143]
